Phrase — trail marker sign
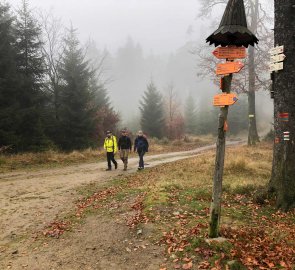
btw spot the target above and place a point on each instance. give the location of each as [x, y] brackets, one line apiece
[286, 136]
[231, 52]
[229, 67]
[276, 66]
[225, 99]
[277, 58]
[277, 50]
[284, 117]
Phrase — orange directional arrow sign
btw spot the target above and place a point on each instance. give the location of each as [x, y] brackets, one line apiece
[229, 67]
[225, 99]
[230, 52]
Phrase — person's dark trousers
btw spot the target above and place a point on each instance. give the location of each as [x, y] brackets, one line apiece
[141, 162]
[111, 158]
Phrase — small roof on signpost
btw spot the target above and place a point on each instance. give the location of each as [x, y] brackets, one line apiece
[233, 28]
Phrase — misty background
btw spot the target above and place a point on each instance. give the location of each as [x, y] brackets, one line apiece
[142, 41]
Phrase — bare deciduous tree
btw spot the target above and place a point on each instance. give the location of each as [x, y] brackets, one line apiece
[53, 33]
[174, 117]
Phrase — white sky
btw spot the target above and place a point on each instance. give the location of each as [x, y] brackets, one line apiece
[159, 25]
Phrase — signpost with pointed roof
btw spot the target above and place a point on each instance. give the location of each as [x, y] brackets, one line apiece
[233, 36]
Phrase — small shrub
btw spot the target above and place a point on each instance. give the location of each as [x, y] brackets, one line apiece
[177, 143]
[237, 165]
[187, 139]
[2, 161]
[164, 141]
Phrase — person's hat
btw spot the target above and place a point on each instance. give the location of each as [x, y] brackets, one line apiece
[109, 132]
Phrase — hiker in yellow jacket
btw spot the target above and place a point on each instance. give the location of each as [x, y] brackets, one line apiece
[111, 147]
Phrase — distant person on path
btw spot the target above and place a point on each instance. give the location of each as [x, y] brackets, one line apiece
[141, 145]
[111, 147]
[124, 146]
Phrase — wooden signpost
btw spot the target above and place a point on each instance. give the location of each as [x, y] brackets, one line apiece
[231, 35]
[229, 68]
[225, 99]
[231, 52]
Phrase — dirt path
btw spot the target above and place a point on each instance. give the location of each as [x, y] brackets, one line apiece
[31, 199]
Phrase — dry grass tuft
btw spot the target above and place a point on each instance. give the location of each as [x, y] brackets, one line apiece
[48, 158]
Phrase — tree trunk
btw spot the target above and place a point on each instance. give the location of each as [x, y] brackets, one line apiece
[252, 130]
[215, 210]
[283, 171]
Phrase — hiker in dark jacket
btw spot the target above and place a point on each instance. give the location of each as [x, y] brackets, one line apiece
[141, 145]
[124, 146]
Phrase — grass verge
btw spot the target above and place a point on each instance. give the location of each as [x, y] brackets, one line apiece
[174, 199]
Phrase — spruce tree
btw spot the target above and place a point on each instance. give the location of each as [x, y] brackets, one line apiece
[8, 80]
[105, 117]
[152, 112]
[77, 109]
[238, 118]
[190, 116]
[31, 71]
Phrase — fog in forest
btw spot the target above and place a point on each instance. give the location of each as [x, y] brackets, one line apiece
[139, 41]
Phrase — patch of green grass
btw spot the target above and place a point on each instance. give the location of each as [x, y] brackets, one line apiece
[219, 247]
[196, 242]
[156, 198]
[121, 196]
[235, 265]
[89, 189]
[237, 214]
[243, 189]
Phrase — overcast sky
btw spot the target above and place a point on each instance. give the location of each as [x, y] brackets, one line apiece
[159, 25]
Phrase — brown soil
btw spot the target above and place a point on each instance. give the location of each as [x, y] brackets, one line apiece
[29, 200]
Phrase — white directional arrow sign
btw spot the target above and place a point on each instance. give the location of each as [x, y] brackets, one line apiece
[277, 50]
[277, 58]
[276, 66]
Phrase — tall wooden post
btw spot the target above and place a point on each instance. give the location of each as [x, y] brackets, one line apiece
[215, 210]
[232, 33]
